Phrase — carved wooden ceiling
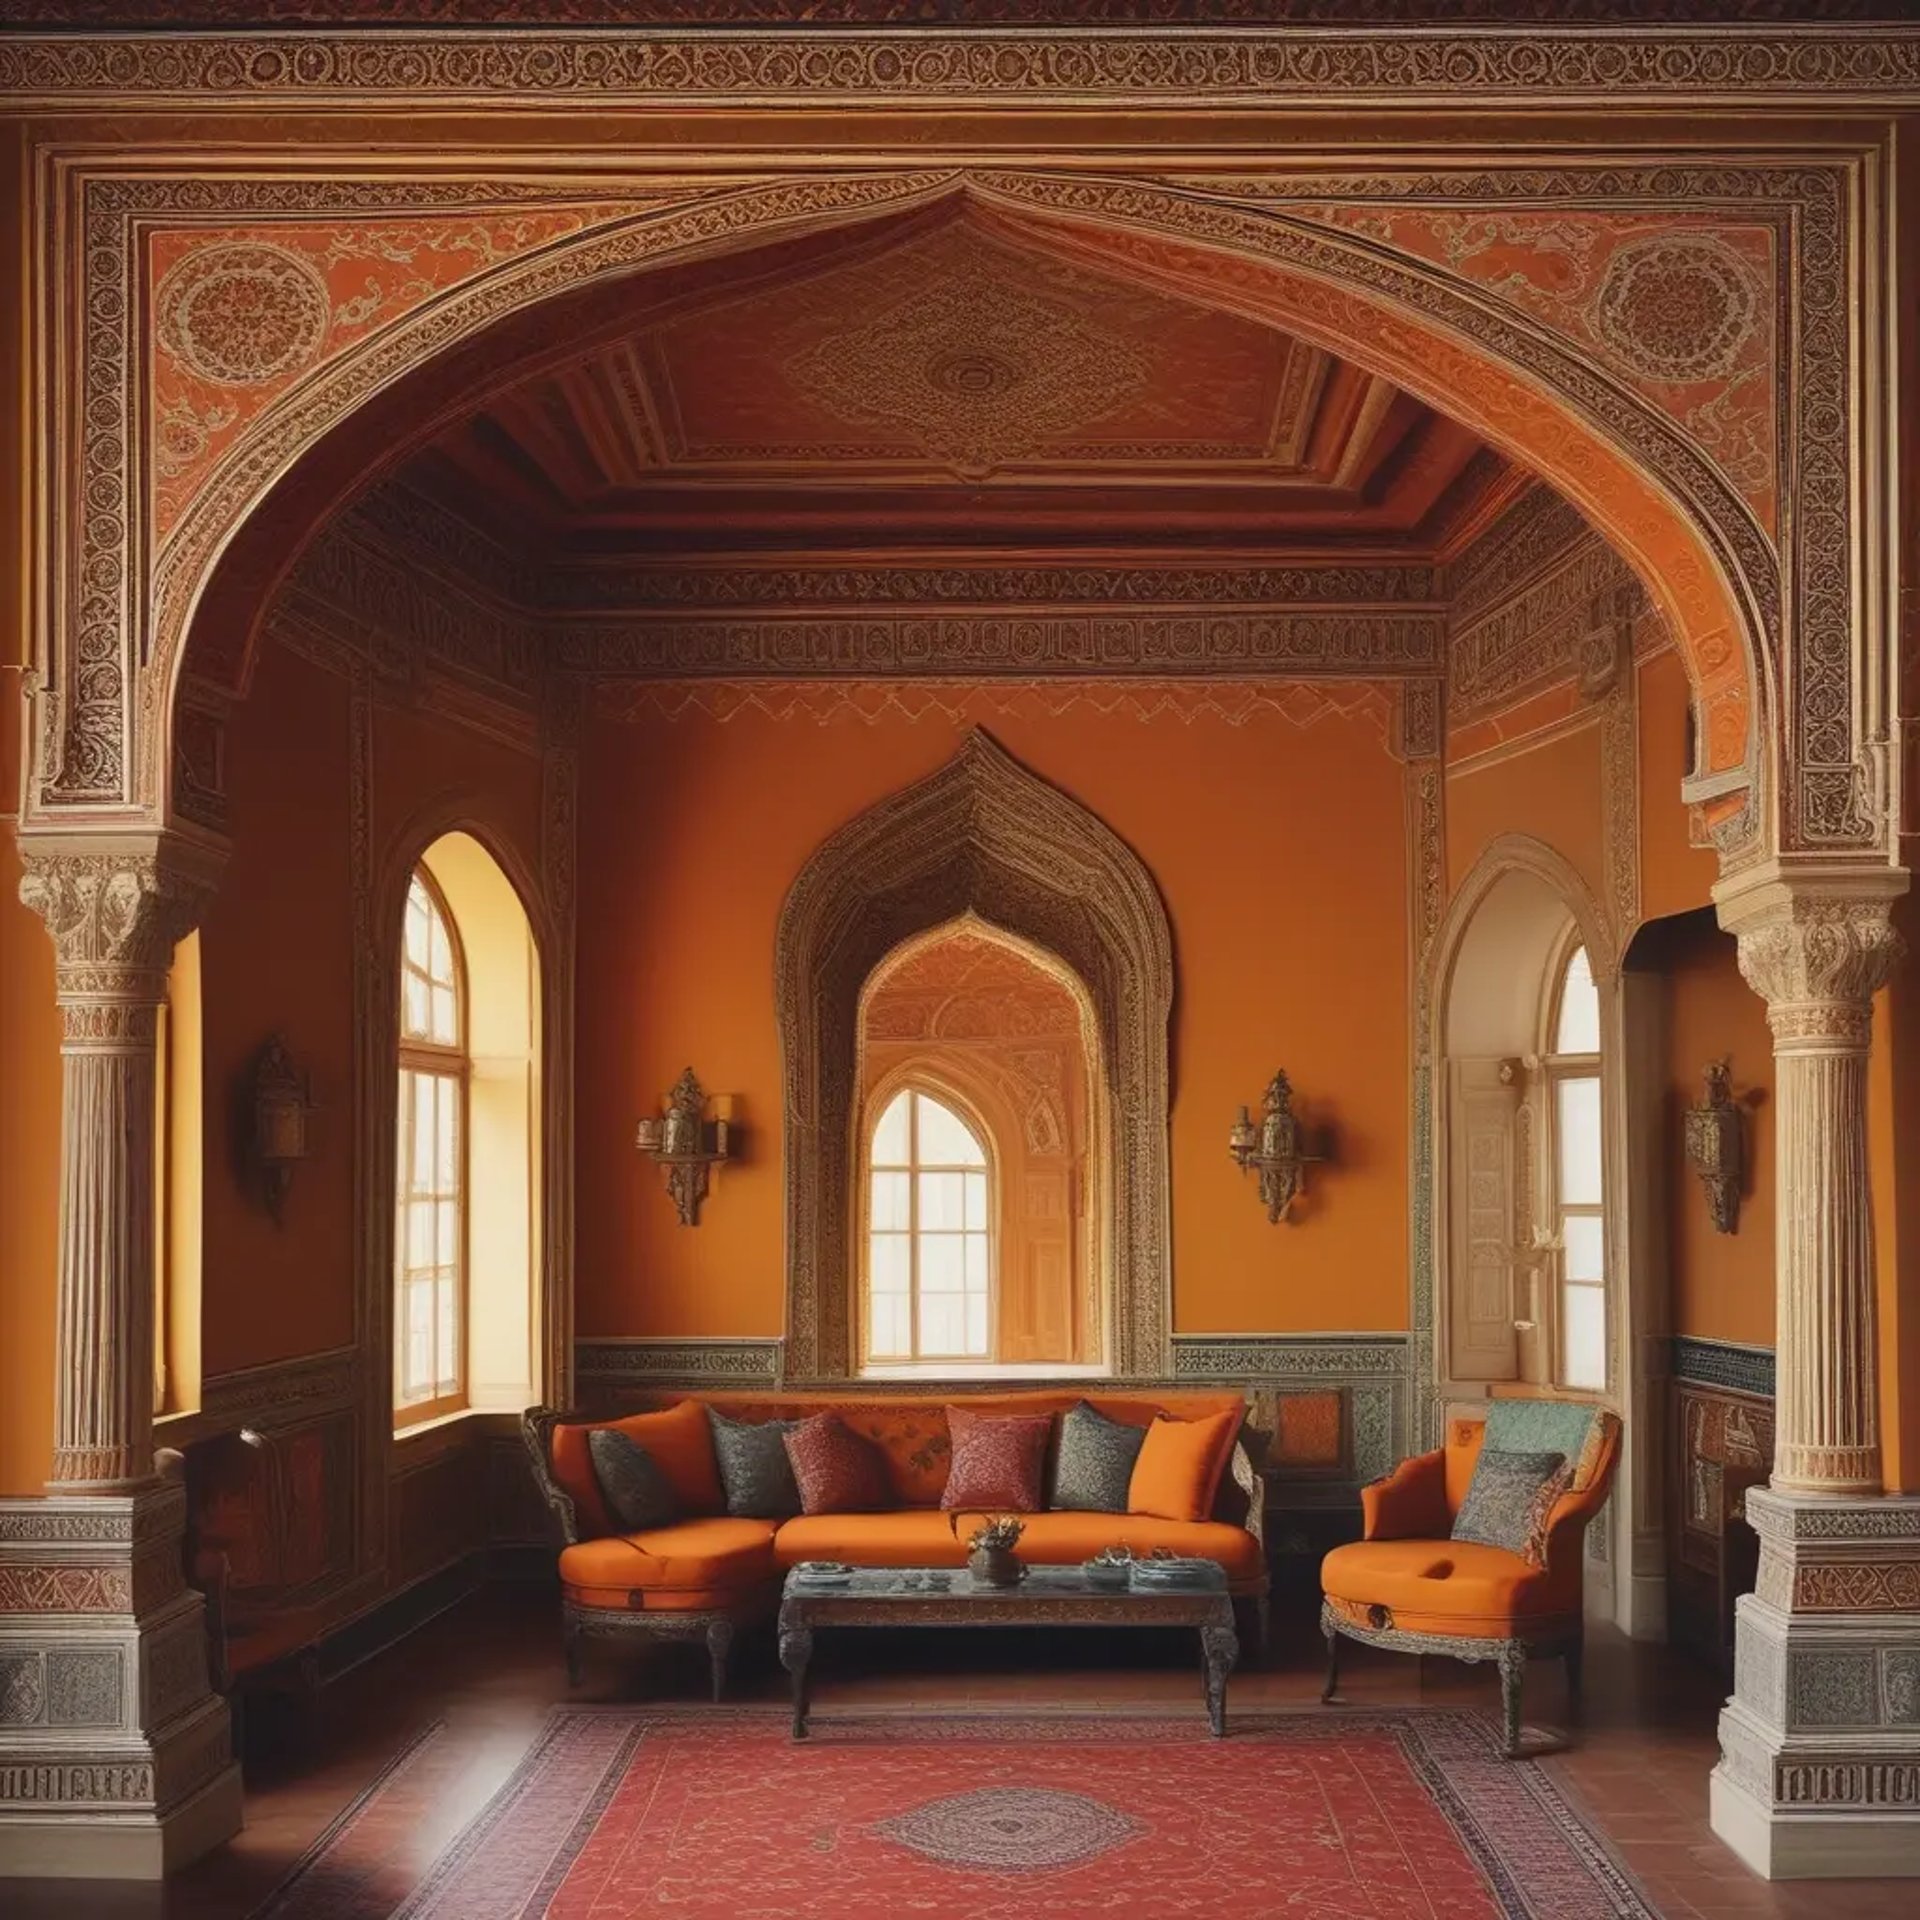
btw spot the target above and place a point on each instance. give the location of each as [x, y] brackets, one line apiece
[948, 385]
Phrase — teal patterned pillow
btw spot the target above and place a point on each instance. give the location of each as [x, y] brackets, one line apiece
[632, 1482]
[754, 1467]
[1510, 1501]
[1566, 1427]
[1093, 1462]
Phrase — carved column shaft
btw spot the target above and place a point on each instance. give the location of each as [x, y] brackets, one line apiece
[115, 912]
[1817, 953]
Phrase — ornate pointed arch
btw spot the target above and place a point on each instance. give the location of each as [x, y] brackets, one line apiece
[985, 836]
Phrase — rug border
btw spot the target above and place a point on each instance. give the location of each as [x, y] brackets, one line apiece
[1401, 1723]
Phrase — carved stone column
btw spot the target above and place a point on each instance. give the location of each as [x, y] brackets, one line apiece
[1819, 1770]
[115, 1754]
[1817, 954]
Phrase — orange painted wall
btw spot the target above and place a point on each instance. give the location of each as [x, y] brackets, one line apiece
[1550, 790]
[1723, 1284]
[277, 955]
[1675, 875]
[1279, 852]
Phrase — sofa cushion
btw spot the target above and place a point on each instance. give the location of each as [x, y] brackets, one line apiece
[1178, 1471]
[1446, 1586]
[1066, 1539]
[835, 1469]
[1567, 1427]
[1093, 1461]
[1511, 1500]
[998, 1460]
[631, 1481]
[693, 1556]
[754, 1468]
[907, 1537]
[680, 1441]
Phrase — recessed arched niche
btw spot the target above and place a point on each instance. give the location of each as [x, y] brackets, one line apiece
[980, 1164]
[985, 850]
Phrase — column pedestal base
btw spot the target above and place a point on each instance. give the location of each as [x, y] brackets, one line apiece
[1819, 1772]
[116, 1756]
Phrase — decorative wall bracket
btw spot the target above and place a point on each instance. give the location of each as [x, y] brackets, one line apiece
[1715, 1147]
[1273, 1149]
[687, 1144]
[281, 1105]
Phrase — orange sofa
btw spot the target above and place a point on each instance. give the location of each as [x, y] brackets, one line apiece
[709, 1573]
[1407, 1584]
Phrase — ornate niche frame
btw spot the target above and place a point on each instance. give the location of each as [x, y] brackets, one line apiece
[984, 836]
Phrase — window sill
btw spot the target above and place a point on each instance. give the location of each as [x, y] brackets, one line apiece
[436, 1424]
[941, 1370]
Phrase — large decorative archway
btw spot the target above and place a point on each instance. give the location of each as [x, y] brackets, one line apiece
[980, 836]
[1374, 267]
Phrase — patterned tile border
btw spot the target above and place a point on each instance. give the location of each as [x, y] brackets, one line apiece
[1723, 1363]
[601, 1368]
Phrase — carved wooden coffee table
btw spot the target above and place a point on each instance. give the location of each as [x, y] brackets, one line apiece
[1047, 1597]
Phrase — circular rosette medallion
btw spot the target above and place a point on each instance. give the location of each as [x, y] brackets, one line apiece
[242, 313]
[1678, 307]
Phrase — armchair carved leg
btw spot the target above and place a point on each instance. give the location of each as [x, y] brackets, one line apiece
[1513, 1672]
[719, 1643]
[1332, 1688]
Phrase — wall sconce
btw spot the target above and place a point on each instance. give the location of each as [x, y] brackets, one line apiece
[281, 1104]
[1273, 1148]
[689, 1146]
[1715, 1147]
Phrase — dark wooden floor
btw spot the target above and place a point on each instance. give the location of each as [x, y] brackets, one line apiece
[491, 1668]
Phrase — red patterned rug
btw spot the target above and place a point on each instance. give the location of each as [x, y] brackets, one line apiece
[619, 1812]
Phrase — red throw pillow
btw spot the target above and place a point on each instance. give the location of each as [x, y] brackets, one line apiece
[835, 1470]
[997, 1463]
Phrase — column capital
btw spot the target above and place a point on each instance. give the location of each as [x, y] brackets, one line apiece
[115, 905]
[1815, 944]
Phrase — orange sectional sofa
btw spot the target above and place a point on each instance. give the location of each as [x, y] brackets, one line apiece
[708, 1572]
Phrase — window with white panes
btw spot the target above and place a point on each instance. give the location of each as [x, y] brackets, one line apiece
[930, 1238]
[430, 1263]
[1574, 1171]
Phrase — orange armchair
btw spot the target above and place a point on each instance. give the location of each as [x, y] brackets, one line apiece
[1409, 1585]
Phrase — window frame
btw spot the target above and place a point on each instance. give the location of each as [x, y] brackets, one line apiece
[450, 1061]
[1556, 1070]
[962, 1110]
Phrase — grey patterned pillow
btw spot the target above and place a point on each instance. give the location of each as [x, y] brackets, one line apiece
[1093, 1462]
[754, 1467]
[1510, 1500]
[636, 1490]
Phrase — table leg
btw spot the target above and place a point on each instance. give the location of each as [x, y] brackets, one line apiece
[796, 1649]
[1220, 1648]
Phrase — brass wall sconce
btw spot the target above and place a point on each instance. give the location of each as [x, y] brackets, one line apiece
[1273, 1149]
[1715, 1147]
[281, 1105]
[687, 1144]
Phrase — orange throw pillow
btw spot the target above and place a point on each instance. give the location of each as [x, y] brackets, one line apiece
[681, 1443]
[1178, 1471]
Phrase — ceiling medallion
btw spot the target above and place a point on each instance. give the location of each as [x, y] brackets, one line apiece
[977, 370]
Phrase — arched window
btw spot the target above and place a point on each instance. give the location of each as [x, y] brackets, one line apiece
[930, 1252]
[430, 1235]
[1574, 1175]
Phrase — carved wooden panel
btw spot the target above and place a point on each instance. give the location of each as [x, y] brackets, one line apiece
[437, 1513]
[1722, 1446]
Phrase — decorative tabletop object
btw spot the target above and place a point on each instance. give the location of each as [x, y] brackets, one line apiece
[990, 1556]
[1110, 1567]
